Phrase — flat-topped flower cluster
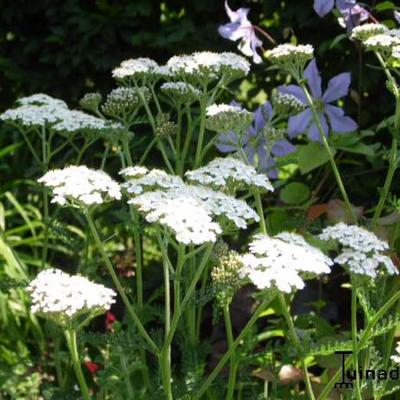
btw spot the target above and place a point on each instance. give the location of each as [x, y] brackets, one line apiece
[360, 250]
[63, 297]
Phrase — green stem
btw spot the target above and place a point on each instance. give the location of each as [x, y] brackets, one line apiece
[233, 363]
[200, 139]
[361, 343]
[45, 166]
[118, 285]
[203, 388]
[296, 342]
[166, 351]
[354, 338]
[330, 154]
[393, 151]
[70, 335]
[260, 212]
[189, 292]
[125, 371]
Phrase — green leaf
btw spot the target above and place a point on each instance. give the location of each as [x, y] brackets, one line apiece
[386, 5]
[360, 148]
[312, 156]
[295, 193]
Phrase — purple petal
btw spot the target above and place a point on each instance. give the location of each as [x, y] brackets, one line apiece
[353, 15]
[250, 152]
[236, 16]
[343, 4]
[299, 123]
[339, 122]
[260, 115]
[230, 31]
[227, 142]
[314, 134]
[338, 87]
[282, 147]
[313, 79]
[322, 7]
[294, 90]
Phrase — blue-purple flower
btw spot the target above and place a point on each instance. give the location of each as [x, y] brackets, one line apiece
[338, 87]
[254, 142]
[352, 14]
[240, 28]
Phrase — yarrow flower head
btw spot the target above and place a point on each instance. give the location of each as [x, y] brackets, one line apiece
[229, 174]
[91, 101]
[185, 216]
[41, 99]
[140, 180]
[207, 66]
[124, 101]
[136, 69]
[181, 91]
[291, 58]
[338, 87]
[225, 117]
[283, 261]
[360, 250]
[80, 186]
[240, 28]
[366, 31]
[44, 111]
[396, 53]
[63, 298]
[384, 43]
[286, 104]
[260, 143]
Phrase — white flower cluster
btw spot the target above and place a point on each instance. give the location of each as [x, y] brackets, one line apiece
[229, 173]
[150, 189]
[361, 250]
[290, 54]
[63, 297]
[185, 216]
[226, 117]
[396, 357]
[80, 186]
[365, 31]
[396, 53]
[124, 100]
[181, 91]
[208, 65]
[41, 99]
[283, 261]
[140, 179]
[383, 43]
[42, 110]
[135, 68]
[285, 103]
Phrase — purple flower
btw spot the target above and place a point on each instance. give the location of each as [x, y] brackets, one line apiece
[338, 87]
[254, 143]
[351, 13]
[241, 28]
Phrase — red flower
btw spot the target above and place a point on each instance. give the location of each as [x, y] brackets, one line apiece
[110, 319]
[91, 366]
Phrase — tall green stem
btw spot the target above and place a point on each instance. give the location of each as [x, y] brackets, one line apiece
[118, 285]
[233, 363]
[203, 388]
[200, 139]
[354, 338]
[166, 352]
[70, 336]
[393, 160]
[296, 342]
[330, 154]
